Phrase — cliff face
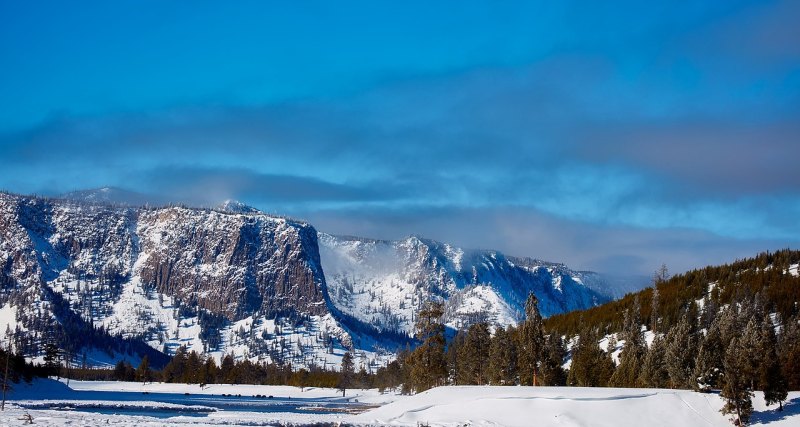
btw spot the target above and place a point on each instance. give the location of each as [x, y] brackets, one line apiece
[231, 264]
[225, 266]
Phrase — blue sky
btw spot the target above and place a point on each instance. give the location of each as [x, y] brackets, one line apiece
[608, 135]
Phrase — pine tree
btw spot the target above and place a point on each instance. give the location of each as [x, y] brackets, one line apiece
[790, 352]
[735, 390]
[428, 364]
[752, 358]
[681, 350]
[143, 372]
[771, 378]
[503, 358]
[553, 374]
[709, 364]
[633, 350]
[654, 308]
[347, 372]
[475, 353]
[654, 370]
[531, 342]
[455, 366]
[590, 366]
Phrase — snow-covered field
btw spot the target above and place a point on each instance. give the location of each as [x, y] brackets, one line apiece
[106, 403]
[568, 406]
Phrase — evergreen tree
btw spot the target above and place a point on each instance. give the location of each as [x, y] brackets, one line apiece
[735, 390]
[654, 316]
[591, 366]
[633, 350]
[51, 363]
[143, 372]
[709, 364]
[225, 374]
[347, 372]
[474, 354]
[681, 350]
[531, 342]
[428, 365]
[119, 371]
[654, 370]
[553, 374]
[790, 352]
[503, 358]
[193, 369]
[771, 378]
[455, 366]
[175, 369]
[752, 358]
[210, 371]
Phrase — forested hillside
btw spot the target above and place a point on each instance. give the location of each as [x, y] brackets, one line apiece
[771, 278]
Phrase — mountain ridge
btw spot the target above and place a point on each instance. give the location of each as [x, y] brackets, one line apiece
[259, 286]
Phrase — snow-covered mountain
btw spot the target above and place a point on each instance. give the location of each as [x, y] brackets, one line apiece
[107, 279]
[383, 283]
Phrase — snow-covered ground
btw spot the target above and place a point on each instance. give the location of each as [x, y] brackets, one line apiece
[568, 406]
[95, 403]
[106, 403]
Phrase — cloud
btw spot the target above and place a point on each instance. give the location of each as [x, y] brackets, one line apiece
[609, 149]
[208, 186]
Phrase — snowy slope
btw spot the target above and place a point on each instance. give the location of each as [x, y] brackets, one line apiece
[383, 283]
[569, 406]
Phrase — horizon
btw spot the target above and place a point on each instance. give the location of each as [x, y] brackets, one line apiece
[609, 138]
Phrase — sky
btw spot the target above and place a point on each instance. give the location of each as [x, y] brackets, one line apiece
[611, 136]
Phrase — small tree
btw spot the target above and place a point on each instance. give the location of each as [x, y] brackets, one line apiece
[143, 372]
[346, 375]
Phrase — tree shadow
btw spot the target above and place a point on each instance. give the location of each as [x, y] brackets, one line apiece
[790, 408]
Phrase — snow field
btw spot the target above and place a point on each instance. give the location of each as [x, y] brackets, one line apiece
[568, 406]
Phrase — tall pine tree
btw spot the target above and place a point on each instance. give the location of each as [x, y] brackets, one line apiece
[681, 350]
[735, 390]
[633, 350]
[771, 378]
[503, 358]
[531, 342]
[428, 364]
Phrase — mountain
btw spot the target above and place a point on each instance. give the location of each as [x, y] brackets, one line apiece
[110, 281]
[382, 283]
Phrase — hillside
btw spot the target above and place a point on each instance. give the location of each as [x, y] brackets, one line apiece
[773, 276]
